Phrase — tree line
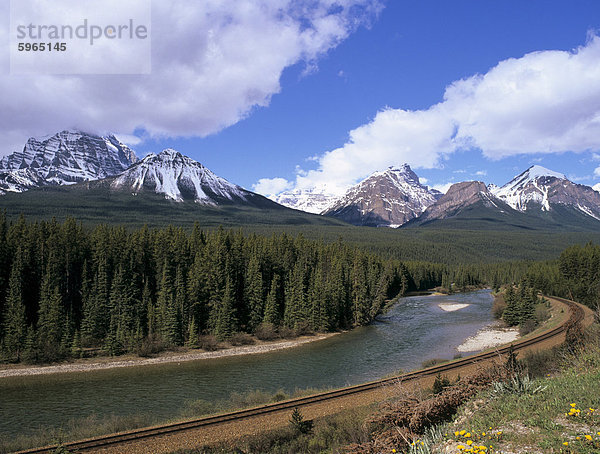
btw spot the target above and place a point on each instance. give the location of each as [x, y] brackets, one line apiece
[64, 288]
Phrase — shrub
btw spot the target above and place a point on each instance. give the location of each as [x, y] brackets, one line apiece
[540, 362]
[151, 345]
[286, 333]
[498, 307]
[208, 343]
[432, 362]
[299, 424]
[241, 339]
[266, 332]
[527, 327]
[541, 313]
[440, 383]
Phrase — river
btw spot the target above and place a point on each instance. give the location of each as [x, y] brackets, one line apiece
[412, 331]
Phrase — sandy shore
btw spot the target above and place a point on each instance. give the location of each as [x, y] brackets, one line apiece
[451, 307]
[490, 336]
[166, 358]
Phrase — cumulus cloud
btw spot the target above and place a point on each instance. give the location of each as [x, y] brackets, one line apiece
[596, 187]
[443, 188]
[212, 62]
[597, 172]
[543, 102]
[271, 186]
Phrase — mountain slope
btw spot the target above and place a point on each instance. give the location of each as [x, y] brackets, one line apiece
[167, 188]
[541, 190]
[64, 158]
[472, 206]
[389, 198]
[180, 178]
[309, 200]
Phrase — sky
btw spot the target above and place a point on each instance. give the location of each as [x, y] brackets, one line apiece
[276, 95]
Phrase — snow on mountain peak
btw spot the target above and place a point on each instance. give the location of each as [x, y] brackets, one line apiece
[179, 177]
[64, 158]
[392, 198]
[537, 171]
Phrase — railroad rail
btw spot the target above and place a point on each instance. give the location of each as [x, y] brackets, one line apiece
[577, 316]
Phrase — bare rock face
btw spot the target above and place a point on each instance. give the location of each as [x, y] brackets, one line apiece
[539, 189]
[459, 197]
[64, 158]
[389, 198]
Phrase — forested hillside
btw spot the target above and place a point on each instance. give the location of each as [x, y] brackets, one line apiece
[64, 287]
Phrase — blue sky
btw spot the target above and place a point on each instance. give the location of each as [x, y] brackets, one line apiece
[363, 58]
[405, 59]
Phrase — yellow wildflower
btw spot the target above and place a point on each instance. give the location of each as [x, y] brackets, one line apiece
[456, 433]
[469, 442]
[460, 447]
[468, 435]
[573, 405]
[566, 443]
[588, 437]
[462, 432]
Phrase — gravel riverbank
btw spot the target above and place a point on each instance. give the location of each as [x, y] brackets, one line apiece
[110, 363]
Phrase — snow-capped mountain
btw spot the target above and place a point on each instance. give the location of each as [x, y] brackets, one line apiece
[65, 158]
[180, 178]
[310, 200]
[540, 189]
[387, 198]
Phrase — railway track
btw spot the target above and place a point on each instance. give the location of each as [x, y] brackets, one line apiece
[577, 315]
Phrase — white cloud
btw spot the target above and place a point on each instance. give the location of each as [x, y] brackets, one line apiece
[129, 139]
[212, 62]
[423, 180]
[596, 187]
[271, 186]
[543, 102]
[597, 172]
[481, 173]
[443, 187]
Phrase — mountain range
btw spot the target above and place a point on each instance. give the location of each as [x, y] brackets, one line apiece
[80, 173]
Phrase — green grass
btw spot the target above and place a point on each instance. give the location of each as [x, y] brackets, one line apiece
[541, 421]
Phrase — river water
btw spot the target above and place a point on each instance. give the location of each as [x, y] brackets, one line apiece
[414, 330]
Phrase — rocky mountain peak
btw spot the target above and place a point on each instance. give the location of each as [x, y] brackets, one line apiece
[64, 158]
[179, 178]
[387, 198]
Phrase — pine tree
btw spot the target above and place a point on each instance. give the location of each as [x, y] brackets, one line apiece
[50, 320]
[272, 314]
[511, 314]
[14, 326]
[253, 293]
[226, 321]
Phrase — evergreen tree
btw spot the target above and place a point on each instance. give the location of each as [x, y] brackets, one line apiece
[272, 314]
[226, 321]
[511, 314]
[253, 293]
[14, 326]
[50, 320]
